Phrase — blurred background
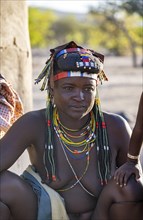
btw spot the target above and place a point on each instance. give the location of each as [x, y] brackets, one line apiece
[115, 28]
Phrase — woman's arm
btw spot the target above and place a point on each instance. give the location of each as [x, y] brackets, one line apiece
[137, 134]
[17, 139]
[131, 166]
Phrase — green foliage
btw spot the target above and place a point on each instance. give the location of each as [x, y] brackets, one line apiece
[40, 26]
[112, 28]
[118, 31]
[69, 28]
[133, 6]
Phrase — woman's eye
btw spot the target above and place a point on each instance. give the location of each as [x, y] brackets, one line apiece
[89, 89]
[68, 88]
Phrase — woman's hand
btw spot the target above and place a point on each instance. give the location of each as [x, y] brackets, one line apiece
[123, 173]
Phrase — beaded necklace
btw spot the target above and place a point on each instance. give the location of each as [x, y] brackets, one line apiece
[87, 130]
[69, 129]
[66, 134]
[78, 180]
[66, 142]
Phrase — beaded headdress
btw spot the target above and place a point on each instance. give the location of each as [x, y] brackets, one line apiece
[71, 60]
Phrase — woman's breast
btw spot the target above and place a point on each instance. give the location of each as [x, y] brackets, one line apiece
[80, 190]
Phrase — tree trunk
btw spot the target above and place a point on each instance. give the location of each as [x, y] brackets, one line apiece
[15, 57]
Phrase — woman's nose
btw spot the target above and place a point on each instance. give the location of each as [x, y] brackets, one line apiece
[79, 95]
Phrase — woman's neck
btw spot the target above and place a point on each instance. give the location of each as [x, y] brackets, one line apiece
[72, 123]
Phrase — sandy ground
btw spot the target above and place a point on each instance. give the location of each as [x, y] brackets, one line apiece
[120, 94]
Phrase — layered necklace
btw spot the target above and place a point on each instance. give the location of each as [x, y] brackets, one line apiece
[77, 149]
[77, 144]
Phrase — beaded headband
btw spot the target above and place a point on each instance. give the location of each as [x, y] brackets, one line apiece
[67, 74]
[71, 60]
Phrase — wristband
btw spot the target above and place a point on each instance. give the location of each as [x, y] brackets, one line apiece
[132, 157]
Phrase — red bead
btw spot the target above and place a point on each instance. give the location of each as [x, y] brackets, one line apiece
[76, 152]
[49, 123]
[54, 178]
[103, 125]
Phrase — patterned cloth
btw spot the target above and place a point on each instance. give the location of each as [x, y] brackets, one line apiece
[11, 107]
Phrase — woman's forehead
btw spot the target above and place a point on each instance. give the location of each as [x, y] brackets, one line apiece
[76, 80]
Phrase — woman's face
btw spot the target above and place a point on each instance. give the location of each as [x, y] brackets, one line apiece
[74, 97]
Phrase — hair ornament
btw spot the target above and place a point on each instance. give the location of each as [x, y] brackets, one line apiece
[46, 72]
[72, 58]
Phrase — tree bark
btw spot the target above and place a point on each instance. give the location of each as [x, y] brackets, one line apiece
[15, 57]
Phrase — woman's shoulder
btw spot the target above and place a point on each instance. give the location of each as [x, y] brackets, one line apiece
[35, 114]
[115, 120]
[118, 129]
[31, 119]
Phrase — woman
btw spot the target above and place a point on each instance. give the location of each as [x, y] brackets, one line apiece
[74, 149]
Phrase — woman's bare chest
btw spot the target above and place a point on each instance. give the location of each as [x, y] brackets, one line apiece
[71, 169]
